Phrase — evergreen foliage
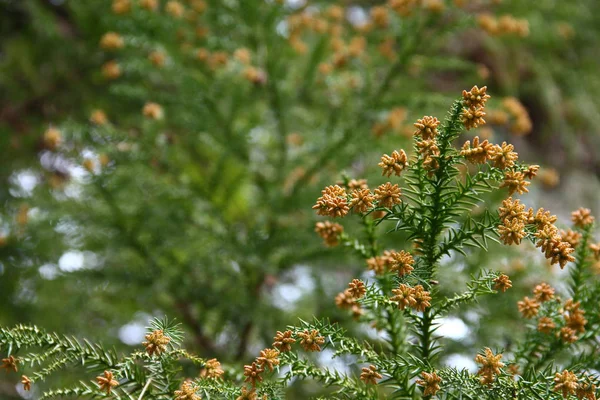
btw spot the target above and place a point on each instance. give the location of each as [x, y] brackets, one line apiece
[403, 301]
[163, 157]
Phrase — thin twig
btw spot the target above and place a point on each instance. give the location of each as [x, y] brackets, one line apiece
[144, 389]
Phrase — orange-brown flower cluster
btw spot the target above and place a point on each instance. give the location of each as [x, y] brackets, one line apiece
[380, 16]
[416, 297]
[214, 60]
[473, 117]
[529, 308]
[395, 118]
[505, 25]
[345, 300]
[187, 391]
[586, 391]
[403, 7]
[199, 6]
[394, 164]
[570, 236]
[217, 59]
[370, 375]
[52, 138]
[150, 5]
[388, 195]
[566, 383]
[312, 340]
[582, 217]
[255, 75]
[361, 200]
[427, 128]
[543, 292]
[502, 282]
[546, 325]
[111, 41]
[567, 335]
[251, 73]
[202, 55]
[574, 316]
[521, 123]
[490, 365]
[10, 363]
[333, 202]
[268, 359]
[595, 248]
[429, 152]
[474, 105]
[357, 288]
[531, 172]
[497, 116]
[212, 369]
[357, 46]
[283, 341]
[243, 55]
[157, 58]
[348, 298]
[503, 156]
[383, 263]
[435, 6]
[103, 159]
[553, 246]
[156, 342]
[153, 111]
[377, 264]
[549, 177]
[325, 69]
[401, 262]
[121, 7]
[106, 382]
[175, 9]
[512, 221]
[26, 383]
[330, 232]
[428, 149]
[475, 98]
[58, 180]
[541, 218]
[98, 117]
[111, 70]
[253, 373]
[430, 382]
[479, 153]
[356, 184]
[515, 182]
[88, 164]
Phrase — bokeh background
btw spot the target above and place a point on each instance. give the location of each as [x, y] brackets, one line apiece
[162, 157]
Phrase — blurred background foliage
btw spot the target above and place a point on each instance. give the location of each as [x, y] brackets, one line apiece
[162, 157]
